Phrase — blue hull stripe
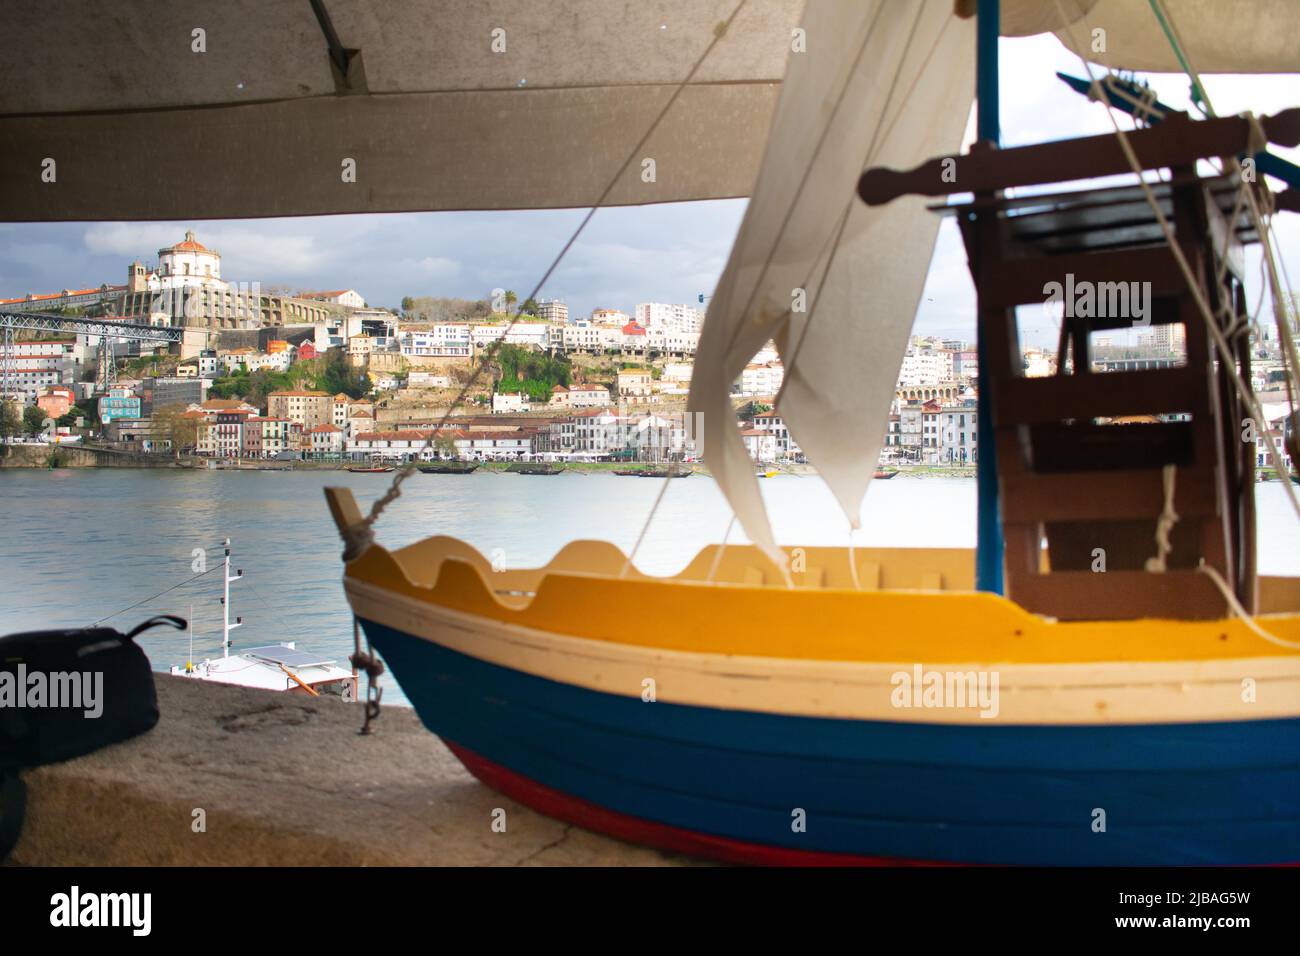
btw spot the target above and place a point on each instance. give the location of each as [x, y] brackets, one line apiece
[1211, 793]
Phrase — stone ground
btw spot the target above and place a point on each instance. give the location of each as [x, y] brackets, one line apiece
[287, 780]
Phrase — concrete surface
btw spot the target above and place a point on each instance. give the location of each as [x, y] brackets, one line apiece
[287, 780]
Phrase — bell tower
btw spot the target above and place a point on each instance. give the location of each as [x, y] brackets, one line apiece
[136, 278]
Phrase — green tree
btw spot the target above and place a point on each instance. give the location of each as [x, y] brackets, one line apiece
[529, 307]
[510, 299]
[172, 423]
[11, 420]
[339, 375]
[33, 419]
[408, 304]
[445, 445]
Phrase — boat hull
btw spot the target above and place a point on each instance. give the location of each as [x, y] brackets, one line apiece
[745, 785]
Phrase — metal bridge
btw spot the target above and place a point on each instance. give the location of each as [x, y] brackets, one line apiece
[107, 330]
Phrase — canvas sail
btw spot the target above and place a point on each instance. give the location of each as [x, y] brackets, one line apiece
[257, 122]
[1262, 36]
[881, 83]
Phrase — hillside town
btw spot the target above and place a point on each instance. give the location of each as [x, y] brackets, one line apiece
[325, 376]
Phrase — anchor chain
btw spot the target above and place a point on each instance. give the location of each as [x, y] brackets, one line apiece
[374, 668]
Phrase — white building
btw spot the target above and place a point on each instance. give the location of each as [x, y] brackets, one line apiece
[588, 396]
[775, 425]
[760, 444]
[925, 367]
[190, 264]
[583, 336]
[522, 333]
[669, 318]
[393, 445]
[252, 360]
[494, 446]
[762, 379]
[553, 310]
[326, 441]
[441, 341]
[509, 403]
[958, 434]
[37, 365]
[379, 325]
[346, 297]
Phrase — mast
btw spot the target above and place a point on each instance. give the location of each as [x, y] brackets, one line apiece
[988, 548]
[226, 626]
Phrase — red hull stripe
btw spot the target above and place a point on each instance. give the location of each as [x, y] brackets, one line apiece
[589, 816]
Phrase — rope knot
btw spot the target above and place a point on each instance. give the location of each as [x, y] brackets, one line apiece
[356, 539]
[368, 662]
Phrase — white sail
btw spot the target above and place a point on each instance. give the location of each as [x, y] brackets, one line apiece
[881, 83]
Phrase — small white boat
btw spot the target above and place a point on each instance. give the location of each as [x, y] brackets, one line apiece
[276, 667]
[279, 666]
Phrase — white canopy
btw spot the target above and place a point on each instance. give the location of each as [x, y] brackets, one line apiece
[142, 125]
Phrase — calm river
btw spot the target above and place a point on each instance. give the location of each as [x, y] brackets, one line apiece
[80, 545]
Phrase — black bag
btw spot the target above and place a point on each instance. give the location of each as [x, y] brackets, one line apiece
[68, 693]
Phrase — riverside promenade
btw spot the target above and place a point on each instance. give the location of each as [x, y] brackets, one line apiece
[286, 780]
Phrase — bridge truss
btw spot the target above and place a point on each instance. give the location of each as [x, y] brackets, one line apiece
[107, 330]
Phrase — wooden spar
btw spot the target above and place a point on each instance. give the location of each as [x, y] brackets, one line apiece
[343, 508]
[1089, 157]
[989, 543]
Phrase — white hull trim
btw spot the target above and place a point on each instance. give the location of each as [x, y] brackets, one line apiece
[1067, 694]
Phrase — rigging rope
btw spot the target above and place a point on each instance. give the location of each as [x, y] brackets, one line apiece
[361, 535]
[1165, 523]
[1227, 359]
[158, 595]
[717, 555]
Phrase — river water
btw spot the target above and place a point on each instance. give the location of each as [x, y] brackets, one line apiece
[79, 545]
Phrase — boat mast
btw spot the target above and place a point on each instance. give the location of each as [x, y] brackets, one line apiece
[988, 549]
[226, 626]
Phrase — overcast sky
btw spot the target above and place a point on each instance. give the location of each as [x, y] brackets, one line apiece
[666, 253]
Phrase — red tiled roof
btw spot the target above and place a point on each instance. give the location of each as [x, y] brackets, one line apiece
[392, 436]
[188, 244]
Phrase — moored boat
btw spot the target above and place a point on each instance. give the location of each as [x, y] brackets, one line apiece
[535, 468]
[1105, 680]
[448, 467]
[281, 666]
[715, 741]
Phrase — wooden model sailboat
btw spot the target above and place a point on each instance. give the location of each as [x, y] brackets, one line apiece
[883, 705]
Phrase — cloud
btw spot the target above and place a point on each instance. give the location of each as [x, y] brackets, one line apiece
[433, 267]
[254, 251]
